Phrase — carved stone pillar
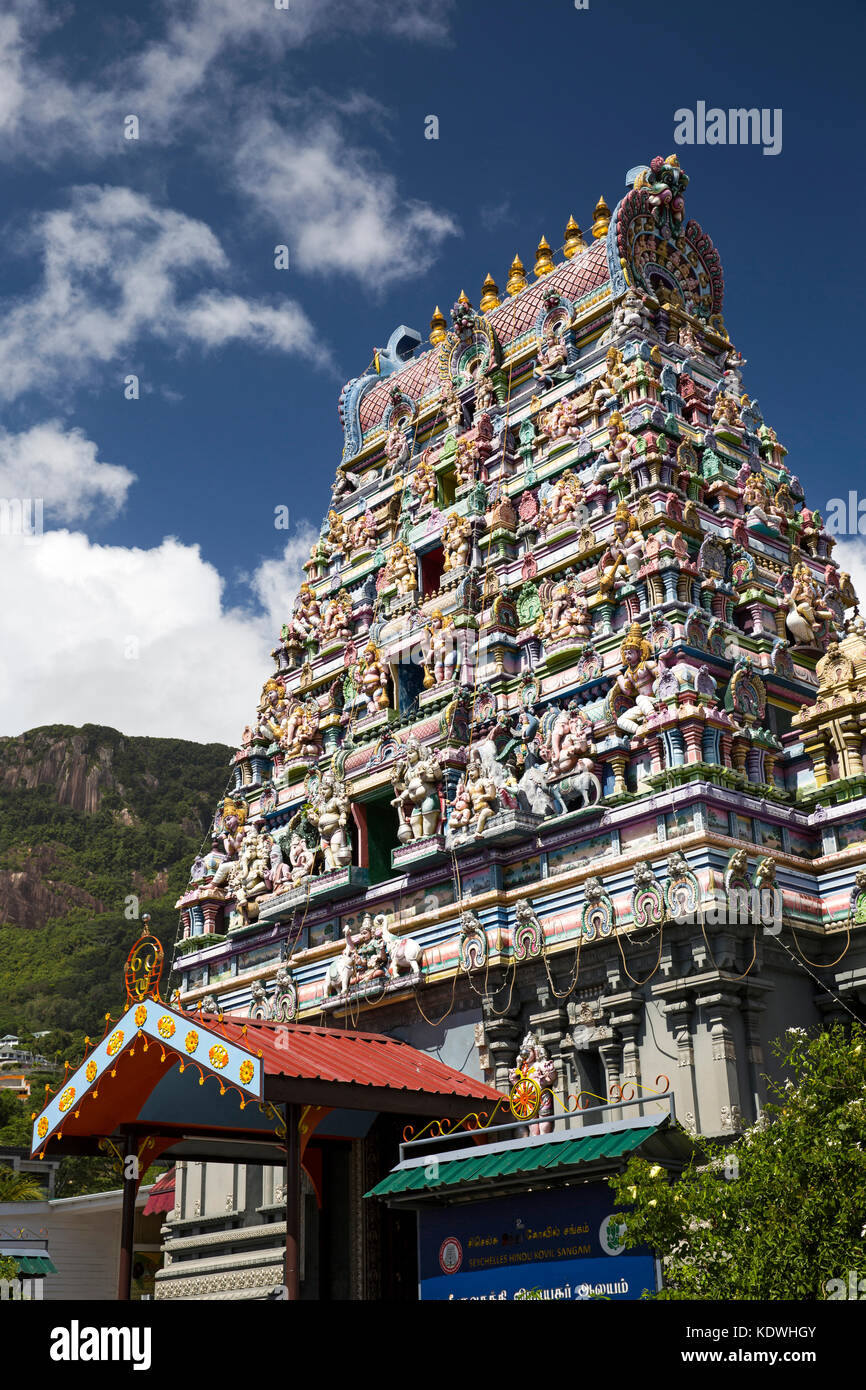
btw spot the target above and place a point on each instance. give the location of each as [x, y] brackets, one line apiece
[679, 1013]
[610, 1052]
[503, 1039]
[721, 1086]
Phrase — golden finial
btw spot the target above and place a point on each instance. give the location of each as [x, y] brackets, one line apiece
[462, 298]
[516, 278]
[438, 327]
[574, 241]
[489, 295]
[601, 219]
[543, 259]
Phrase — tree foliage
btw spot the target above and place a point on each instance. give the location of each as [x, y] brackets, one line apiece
[780, 1213]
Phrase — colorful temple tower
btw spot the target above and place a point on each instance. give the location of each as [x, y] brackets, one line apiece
[565, 732]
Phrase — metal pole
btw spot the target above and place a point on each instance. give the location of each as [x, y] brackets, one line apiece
[293, 1204]
[129, 1178]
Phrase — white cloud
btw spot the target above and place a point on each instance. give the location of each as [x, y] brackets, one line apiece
[136, 639]
[61, 466]
[45, 115]
[339, 209]
[276, 582]
[115, 269]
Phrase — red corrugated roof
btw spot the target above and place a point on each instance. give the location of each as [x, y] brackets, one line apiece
[362, 1059]
[161, 1194]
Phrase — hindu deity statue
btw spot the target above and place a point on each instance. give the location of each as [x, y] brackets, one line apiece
[611, 382]
[566, 614]
[336, 531]
[271, 710]
[423, 481]
[636, 680]
[726, 415]
[621, 448]
[782, 506]
[329, 813]
[248, 879]
[808, 613]
[466, 462]
[452, 409]
[336, 624]
[397, 450]
[562, 421]
[552, 356]
[299, 735]
[630, 315]
[442, 654]
[534, 1064]
[361, 532]
[568, 748]
[402, 567]
[456, 542]
[416, 779]
[565, 501]
[476, 797]
[756, 499]
[485, 395]
[625, 551]
[302, 858]
[373, 679]
[303, 625]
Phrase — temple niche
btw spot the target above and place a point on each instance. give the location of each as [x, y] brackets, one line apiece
[572, 655]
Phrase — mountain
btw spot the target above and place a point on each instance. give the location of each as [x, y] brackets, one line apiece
[91, 820]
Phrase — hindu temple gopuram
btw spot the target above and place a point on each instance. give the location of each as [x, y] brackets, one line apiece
[572, 662]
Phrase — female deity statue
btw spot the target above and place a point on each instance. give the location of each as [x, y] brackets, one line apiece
[373, 679]
[329, 813]
[636, 680]
[456, 542]
[625, 551]
[807, 611]
[534, 1063]
[562, 421]
[416, 780]
[301, 858]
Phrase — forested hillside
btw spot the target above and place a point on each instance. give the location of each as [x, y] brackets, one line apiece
[90, 819]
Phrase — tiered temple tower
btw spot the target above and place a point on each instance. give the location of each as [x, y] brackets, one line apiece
[573, 677]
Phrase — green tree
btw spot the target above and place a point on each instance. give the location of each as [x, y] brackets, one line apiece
[19, 1187]
[8, 1267]
[780, 1213]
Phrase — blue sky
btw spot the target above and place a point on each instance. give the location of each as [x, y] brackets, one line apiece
[151, 601]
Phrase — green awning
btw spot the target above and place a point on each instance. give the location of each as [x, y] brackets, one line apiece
[35, 1264]
[526, 1158]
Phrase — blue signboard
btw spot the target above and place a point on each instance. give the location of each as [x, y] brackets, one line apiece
[532, 1245]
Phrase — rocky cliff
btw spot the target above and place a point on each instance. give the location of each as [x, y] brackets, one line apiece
[95, 829]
